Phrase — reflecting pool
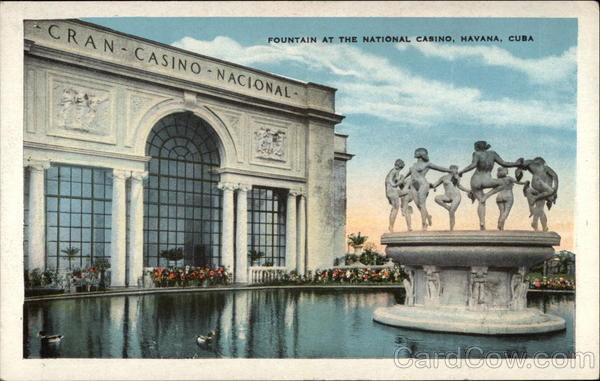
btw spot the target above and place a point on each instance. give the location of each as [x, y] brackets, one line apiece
[276, 323]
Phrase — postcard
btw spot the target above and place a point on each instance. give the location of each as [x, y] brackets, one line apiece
[279, 190]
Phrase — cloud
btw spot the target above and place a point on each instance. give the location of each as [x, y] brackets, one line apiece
[542, 70]
[370, 84]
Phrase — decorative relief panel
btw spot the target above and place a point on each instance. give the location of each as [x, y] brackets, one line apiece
[81, 110]
[78, 109]
[270, 144]
[138, 104]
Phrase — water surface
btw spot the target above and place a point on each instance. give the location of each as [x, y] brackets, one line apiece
[276, 323]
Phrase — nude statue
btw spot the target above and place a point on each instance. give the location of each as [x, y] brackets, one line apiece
[409, 298]
[483, 163]
[433, 286]
[542, 190]
[519, 288]
[477, 287]
[419, 184]
[405, 204]
[395, 189]
[505, 198]
[450, 200]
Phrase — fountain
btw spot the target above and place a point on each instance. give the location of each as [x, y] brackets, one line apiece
[471, 281]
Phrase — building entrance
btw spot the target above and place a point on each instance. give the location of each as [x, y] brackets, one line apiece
[182, 204]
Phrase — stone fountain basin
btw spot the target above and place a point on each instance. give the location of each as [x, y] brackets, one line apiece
[507, 248]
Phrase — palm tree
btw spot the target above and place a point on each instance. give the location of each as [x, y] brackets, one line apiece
[70, 253]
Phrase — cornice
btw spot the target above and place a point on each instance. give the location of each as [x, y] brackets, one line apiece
[85, 62]
[85, 151]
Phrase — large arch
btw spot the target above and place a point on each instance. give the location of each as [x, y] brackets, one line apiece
[227, 147]
[182, 203]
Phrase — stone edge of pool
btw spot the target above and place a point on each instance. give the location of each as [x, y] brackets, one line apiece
[145, 291]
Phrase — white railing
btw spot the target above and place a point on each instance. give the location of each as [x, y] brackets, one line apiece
[359, 265]
[265, 274]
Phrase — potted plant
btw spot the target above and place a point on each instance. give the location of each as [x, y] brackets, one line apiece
[255, 255]
[102, 265]
[70, 253]
[357, 242]
[172, 255]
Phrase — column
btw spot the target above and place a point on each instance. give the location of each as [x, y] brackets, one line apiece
[227, 260]
[290, 231]
[136, 228]
[301, 239]
[37, 216]
[118, 252]
[241, 238]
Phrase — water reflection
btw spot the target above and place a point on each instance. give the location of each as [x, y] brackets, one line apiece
[262, 324]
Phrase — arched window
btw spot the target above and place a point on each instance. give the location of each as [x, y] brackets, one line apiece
[182, 204]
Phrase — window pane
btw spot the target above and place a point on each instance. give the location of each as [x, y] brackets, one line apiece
[175, 170]
[77, 212]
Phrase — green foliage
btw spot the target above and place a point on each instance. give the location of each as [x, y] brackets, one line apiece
[101, 264]
[172, 255]
[350, 259]
[371, 258]
[70, 253]
[255, 255]
[357, 240]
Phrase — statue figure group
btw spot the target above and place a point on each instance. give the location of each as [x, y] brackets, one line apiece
[413, 187]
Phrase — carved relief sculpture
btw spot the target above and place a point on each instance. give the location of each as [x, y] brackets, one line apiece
[270, 144]
[477, 286]
[409, 298]
[78, 109]
[433, 284]
[518, 289]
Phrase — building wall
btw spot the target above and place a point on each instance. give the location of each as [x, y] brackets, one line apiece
[86, 105]
[339, 205]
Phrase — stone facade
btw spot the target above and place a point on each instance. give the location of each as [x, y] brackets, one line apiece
[92, 96]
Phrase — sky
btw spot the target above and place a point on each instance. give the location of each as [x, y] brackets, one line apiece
[396, 97]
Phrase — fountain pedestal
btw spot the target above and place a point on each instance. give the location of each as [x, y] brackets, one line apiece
[469, 281]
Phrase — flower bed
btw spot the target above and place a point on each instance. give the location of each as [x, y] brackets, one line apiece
[545, 283]
[341, 276]
[190, 276]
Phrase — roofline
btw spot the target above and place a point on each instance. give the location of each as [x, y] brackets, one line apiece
[160, 44]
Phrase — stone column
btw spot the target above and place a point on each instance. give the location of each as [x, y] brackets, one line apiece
[227, 259]
[136, 228]
[301, 239]
[118, 259]
[241, 236]
[290, 231]
[37, 216]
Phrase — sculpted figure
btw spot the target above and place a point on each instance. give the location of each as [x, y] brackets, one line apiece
[519, 292]
[433, 283]
[478, 275]
[450, 200]
[395, 189]
[505, 197]
[420, 185]
[542, 190]
[405, 205]
[483, 163]
[409, 298]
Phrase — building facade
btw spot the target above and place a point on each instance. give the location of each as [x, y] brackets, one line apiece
[132, 148]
